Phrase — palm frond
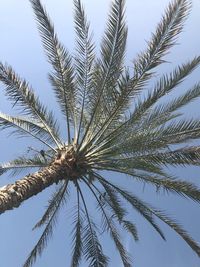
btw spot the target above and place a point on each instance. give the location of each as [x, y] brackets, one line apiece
[184, 99]
[163, 39]
[109, 224]
[160, 114]
[178, 229]
[175, 132]
[83, 60]
[26, 127]
[119, 246]
[109, 67]
[172, 184]
[20, 164]
[136, 201]
[21, 94]
[135, 163]
[179, 132]
[149, 137]
[183, 156]
[63, 74]
[131, 228]
[77, 236]
[92, 248]
[165, 84]
[136, 205]
[127, 225]
[47, 233]
[112, 52]
[164, 181]
[132, 199]
[114, 202]
[163, 112]
[57, 198]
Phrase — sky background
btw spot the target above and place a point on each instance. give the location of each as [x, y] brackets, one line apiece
[20, 46]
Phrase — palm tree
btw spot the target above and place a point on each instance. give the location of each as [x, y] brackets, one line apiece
[110, 126]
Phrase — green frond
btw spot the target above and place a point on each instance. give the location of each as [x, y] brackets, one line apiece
[164, 111]
[179, 132]
[163, 39]
[83, 60]
[119, 246]
[135, 163]
[164, 85]
[183, 156]
[77, 236]
[109, 67]
[161, 114]
[159, 137]
[109, 225]
[63, 74]
[48, 231]
[58, 198]
[164, 181]
[137, 205]
[131, 228]
[154, 161]
[26, 127]
[104, 201]
[179, 230]
[172, 184]
[92, 249]
[112, 52]
[21, 94]
[114, 202]
[119, 145]
[20, 164]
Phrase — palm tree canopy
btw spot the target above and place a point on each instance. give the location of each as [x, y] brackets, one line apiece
[110, 125]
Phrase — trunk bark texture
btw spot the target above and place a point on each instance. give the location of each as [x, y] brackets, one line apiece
[12, 195]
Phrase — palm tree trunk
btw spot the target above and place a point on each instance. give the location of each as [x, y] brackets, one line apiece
[12, 195]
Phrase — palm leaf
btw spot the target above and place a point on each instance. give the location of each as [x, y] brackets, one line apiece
[162, 40]
[163, 112]
[138, 206]
[26, 127]
[19, 92]
[83, 60]
[77, 236]
[131, 228]
[183, 156]
[22, 163]
[55, 201]
[165, 84]
[114, 202]
[108, 67]
[63, 73]
[132, 199]
[111, 227]
[179, 132]
[168, 29]
[116, 207]
[172, 184]
[92, 248]
[178, 229]
[48, 231]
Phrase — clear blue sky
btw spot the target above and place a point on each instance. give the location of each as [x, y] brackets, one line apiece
[20, 46]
